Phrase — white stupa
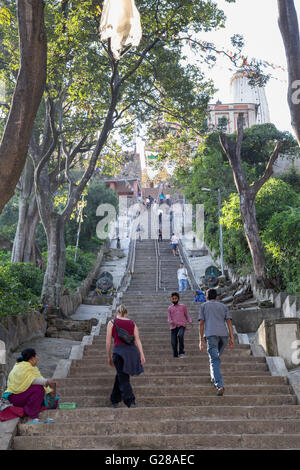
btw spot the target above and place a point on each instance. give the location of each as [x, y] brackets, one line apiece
[242, 92]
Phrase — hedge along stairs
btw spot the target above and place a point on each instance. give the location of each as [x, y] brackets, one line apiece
[177, 407]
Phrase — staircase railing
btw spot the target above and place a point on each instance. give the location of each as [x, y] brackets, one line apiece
[193, 282]
[158, 266]
[124, 284]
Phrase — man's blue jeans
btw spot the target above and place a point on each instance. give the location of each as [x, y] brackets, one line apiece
[215, 348]
[183, 284]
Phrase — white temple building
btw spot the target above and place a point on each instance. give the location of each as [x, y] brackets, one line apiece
[252, 102]
[242, 92]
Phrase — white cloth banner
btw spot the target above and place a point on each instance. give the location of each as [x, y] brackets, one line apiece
[120, 21]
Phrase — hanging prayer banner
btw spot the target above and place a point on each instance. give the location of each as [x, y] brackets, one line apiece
[120, 21]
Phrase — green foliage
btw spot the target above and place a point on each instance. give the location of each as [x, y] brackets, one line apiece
[9, 218]
[97, 193]
[80, 268]
[277, 210]
[208, 169]
[20, 287]
[276, 203]
[274, 197]
[282, 243]
[259, 143]
[292, 178]
[76, 271]
[5, 257]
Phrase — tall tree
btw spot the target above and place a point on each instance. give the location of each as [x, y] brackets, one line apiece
[25, 249]
[27, 95]
[289, 27]
[247, 194]
[135, 87]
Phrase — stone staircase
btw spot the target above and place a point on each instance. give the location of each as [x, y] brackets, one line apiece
[177, 407]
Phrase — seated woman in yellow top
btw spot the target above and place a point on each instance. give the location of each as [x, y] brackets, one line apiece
[26, 386]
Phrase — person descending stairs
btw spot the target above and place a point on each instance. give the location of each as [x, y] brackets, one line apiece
[176, 405]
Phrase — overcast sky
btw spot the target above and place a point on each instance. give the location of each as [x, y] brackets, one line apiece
[257, 21]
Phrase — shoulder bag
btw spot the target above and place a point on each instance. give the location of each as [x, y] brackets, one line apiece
[123, 334]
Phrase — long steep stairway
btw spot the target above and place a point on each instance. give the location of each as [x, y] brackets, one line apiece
[177, 407]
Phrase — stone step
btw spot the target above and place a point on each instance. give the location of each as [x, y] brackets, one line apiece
[181, 413]
[106, 380]
[77, 372]
[165, 427]
[100, 360]
[176, 390]
[181, 368]
[159, 441]
[191, 350]
[95, 351]
[156, 343]
[190, 400]
[176, 403]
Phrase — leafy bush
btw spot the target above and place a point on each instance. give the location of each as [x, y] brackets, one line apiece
[282, 243]
[278, 216]
[5, 257]
[77, 271]
[80, 268]
[20, 287]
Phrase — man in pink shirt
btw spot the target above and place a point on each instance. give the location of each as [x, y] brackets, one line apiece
[177, 317]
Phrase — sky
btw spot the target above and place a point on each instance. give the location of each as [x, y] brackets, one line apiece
[257, 22]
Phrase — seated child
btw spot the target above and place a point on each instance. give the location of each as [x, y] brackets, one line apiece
[200, 296]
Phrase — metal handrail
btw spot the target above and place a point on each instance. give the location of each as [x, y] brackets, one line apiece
[194, 283]
[130, 263]
[157, 266]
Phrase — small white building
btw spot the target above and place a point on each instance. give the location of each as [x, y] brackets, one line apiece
[251, 101]
[220, 112]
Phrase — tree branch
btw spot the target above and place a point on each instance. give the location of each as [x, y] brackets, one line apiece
[269, 169]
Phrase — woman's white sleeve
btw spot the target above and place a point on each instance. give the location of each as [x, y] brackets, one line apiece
[39, 381]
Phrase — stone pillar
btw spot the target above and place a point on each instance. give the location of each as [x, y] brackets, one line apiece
[281, 338]
[2, 364]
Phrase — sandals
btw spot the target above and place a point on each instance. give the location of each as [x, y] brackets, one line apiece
[35, 421]
[50, 420]
[220, 391]
[39, 421]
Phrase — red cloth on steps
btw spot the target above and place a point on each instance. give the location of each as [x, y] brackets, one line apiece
[12, 412]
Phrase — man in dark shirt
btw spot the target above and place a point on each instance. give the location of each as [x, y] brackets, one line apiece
[212, 318]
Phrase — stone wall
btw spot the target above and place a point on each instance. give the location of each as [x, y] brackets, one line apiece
[70, 303]
[289, 304]
[17, 329]
[280, 338]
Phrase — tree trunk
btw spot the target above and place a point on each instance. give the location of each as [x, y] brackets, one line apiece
[56, 262]
[289, 28]
[27, 96]
[25, 249]
[247, 195]
[248, 213]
